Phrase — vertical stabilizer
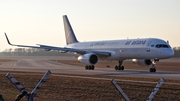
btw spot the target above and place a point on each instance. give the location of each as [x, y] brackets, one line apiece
[69, 33]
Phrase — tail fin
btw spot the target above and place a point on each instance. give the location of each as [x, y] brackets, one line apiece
[70, 36]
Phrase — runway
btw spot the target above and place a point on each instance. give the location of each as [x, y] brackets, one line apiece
[42, 64]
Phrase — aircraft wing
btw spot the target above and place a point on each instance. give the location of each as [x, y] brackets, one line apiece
[74, 50]
[64, 49]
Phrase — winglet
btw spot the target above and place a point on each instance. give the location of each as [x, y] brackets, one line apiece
[7, 39]
[19, 45]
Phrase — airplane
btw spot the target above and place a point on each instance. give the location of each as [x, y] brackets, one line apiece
[143, 51]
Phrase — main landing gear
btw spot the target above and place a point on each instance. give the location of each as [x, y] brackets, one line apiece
[89, 67]
[119, 67]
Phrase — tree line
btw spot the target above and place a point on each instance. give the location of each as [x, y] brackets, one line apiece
[41, 52]
[31, 52]
[176, 52]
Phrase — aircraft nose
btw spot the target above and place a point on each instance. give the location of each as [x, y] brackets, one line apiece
[170, 53]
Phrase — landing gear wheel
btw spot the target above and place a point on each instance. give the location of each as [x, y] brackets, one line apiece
[86, 67]
[116, 67]
[122, 67]
[92, 67]
[89, 67]
[119, 67]
[152, 69]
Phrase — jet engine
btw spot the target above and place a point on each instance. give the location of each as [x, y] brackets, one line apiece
[142, 62]
[88, 59]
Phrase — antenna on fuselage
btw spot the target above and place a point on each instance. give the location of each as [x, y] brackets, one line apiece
[167, 41]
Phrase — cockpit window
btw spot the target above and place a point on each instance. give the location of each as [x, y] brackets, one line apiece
[162, 46]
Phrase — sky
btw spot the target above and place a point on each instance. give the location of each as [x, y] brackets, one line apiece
[33, 22]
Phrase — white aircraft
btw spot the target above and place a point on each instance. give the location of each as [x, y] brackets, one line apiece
[144, 52]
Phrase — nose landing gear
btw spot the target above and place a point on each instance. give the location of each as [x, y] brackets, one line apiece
[153, 68]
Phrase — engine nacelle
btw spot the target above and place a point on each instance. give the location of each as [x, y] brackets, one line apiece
[142, 62]
[88, 59]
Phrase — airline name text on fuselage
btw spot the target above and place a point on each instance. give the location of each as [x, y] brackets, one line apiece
[137, 42]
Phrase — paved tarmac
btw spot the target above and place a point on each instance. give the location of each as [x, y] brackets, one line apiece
[42, 64]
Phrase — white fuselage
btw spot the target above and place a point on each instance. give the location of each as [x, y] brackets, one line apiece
[147, 48]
